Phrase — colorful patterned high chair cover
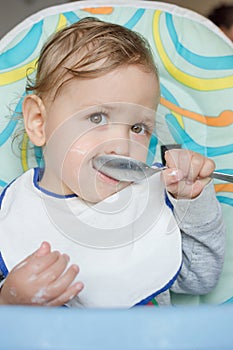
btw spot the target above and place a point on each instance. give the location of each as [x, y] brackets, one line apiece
[195, 62]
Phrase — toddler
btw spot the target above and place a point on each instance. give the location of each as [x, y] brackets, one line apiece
[96, 92]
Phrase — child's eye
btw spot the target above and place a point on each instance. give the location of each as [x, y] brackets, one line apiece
[139, 128]
[98, 118]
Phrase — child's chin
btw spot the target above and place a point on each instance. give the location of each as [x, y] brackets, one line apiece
[103, 192]
[96, 198]
[111, 195]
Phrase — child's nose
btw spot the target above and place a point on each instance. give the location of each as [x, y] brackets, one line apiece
[119, 140]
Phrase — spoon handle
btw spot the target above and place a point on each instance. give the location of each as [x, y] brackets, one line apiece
[222, 176]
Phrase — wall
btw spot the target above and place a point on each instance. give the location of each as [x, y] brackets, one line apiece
[201, 6]
[14, 11]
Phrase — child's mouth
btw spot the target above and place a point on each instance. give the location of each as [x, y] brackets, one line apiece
[107, 178]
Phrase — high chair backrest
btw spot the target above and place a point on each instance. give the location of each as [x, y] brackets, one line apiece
[195, 62]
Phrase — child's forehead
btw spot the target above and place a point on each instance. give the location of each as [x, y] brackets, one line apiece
[127, 107]
[103, 76]
[131, 86]
[128, 113]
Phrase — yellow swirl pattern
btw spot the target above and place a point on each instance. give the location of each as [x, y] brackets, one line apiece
[196, 83]
[17, 74]
[24, 152]
[20, 73]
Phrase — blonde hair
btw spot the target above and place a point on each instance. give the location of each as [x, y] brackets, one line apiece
[88, 49]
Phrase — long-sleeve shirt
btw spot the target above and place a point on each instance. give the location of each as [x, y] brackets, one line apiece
[203, 244]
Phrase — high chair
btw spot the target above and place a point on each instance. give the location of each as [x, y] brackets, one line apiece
[195, 63]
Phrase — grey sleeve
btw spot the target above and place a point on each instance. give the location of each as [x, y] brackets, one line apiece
[203, 242]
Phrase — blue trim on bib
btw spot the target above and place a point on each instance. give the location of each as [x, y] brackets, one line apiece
[38, 173]
[3, 268]
[152, 296]
[167, 200]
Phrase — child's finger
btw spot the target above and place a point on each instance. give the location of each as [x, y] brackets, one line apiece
[179, 159]
[172, 176]
[54, 271]
[44, 249]
[39, 264]
[193, 190]
[68, 295]
[179, 189]
[196, 164]
[184, 190]
[59, 286]
[207, 168]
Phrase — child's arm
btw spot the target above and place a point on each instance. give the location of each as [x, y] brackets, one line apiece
[200, 220]
[41, 279]
[203, 242]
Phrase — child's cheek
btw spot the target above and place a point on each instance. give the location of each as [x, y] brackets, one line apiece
[77, 161]
[139, 147]
[71, 170]
[74, 160]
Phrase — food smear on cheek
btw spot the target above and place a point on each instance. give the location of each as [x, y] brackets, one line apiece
[78, 149]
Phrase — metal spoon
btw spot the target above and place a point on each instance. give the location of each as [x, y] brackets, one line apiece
[131, 170]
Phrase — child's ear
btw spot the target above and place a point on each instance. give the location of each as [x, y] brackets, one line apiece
[34, 114]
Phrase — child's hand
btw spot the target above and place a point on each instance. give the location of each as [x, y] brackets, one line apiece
[41, 279]
[188, 173]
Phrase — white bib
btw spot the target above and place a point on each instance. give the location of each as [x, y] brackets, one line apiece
[128, 247]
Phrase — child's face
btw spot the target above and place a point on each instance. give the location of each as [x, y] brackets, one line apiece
[111, 114]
